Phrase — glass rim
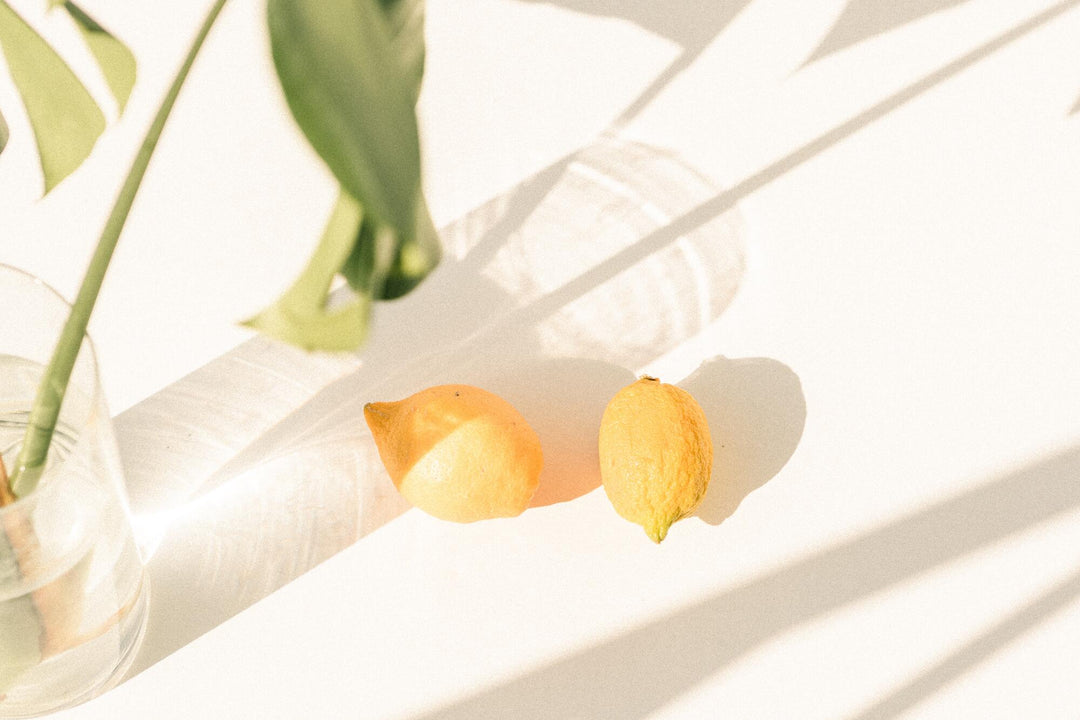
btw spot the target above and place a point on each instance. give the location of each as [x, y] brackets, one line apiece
[88, 345]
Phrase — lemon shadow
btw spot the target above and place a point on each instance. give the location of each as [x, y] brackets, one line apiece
[756, 413]
[564, 400]
[210, 442]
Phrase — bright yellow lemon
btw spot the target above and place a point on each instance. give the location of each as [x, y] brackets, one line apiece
[655, 454]
[458, 452]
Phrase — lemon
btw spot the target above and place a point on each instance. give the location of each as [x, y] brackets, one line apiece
[458, 452]
[655, 454]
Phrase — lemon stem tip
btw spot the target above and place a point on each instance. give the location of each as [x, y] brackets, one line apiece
[657, 532]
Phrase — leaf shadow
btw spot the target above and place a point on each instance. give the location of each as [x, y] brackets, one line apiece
[258, 466]
[756, 413]
[632, 675]
[862, 20]
[237, 505]
[691, 24]
[975, 651]
[589, 269]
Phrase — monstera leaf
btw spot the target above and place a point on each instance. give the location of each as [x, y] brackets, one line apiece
[65, 119]
[351, 73]
[113, 57]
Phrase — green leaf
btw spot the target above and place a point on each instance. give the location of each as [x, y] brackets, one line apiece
[45, 411]
[3, 132]
[359, 267]
[405, 20]
[351, 71]
[409, 260]
[113, 57]
[303, 316]
[415, 257]
[352, 98]
[65, 119]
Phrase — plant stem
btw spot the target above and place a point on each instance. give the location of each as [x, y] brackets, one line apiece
[50, 394]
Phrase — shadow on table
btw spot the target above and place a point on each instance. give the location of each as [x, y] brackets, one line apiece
[864, 19]
[754, 406]
[246, 474]
[563, 400]
[756, 413]
[259, 466]
[633, 675]
[694, 25]
[691, 24]
[974, 651]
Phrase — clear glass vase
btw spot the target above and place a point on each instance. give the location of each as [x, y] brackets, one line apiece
[73, 595]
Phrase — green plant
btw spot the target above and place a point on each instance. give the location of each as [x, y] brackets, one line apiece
[351, 73]
[65, 119]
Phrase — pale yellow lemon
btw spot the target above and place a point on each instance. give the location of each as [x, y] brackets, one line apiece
[458, 452]
[655, 454]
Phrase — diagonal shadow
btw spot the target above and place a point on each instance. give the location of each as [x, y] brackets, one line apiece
[692, 24]
[631, 676]
[864, 19]
[318, 406]
[258, 466]
[727, 199]
[487, 317]
[1075, 108]
[974, 652]
[300, 427]
[177, 441]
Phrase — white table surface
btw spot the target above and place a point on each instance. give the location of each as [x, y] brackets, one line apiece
[877, 271]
